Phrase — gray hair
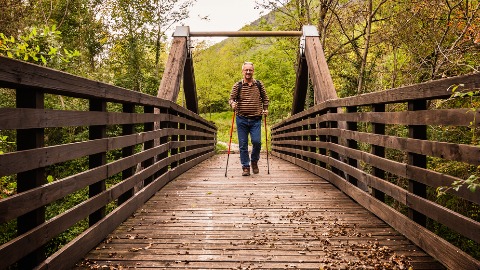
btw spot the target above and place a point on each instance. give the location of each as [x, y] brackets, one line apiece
[248, 63]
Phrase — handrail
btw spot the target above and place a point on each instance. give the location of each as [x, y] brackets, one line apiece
[376, 147]
[123, 169]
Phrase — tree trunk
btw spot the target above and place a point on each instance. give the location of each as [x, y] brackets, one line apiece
[363, 61]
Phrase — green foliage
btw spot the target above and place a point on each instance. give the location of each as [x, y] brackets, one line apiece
[274, 66]
[8, 231]
[40, 46]
[8, 185]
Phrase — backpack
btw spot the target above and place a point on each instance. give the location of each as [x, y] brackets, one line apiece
[239, 87]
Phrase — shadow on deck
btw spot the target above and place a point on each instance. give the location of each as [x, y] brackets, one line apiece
[288, 219]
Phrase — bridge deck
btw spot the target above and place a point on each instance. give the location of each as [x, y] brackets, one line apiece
[289, 218]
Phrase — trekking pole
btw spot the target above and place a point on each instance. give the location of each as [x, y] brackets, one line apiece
[230, 142]
[266, 144]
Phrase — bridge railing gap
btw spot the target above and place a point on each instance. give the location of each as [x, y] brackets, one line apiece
[119, 165]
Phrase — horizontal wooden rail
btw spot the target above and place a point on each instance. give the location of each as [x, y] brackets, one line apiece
[382, 147]
[246, 34]
[111, 165]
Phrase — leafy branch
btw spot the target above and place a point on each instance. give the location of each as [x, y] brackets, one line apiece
[40, 46]
[472, 183]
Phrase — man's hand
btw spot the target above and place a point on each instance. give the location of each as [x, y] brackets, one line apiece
[265, 112]
[233, 105]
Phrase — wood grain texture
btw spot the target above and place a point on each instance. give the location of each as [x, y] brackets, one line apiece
[17, 74]
[289, 218]
[438, 89]
[450, 151]
[318, 69]
[170, 84]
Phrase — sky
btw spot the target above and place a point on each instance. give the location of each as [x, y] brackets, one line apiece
[224, 15]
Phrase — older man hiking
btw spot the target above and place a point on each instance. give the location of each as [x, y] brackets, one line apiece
[249, 100]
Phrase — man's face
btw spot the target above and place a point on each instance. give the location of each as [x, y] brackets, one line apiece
[247, 71]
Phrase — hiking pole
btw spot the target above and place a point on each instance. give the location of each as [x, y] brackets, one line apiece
[230, 142]
[266, 144]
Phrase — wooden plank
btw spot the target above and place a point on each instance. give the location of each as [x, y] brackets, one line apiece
[438, 89]
[32, 118]
[449, 151]
[437, 179]
[28, 180]
[318, 70]
[97, 160]
[193, 123]
[194, 133]
[447, 117]
[453, 220]
[11, 163]
[190, 115]
[127, 151]
[378, 128]
[417, 131]
[202, 219]
[430, 178]
[18, 204]
[17, 74]
[170, 84]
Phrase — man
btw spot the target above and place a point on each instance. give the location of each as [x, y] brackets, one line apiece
[249, 100]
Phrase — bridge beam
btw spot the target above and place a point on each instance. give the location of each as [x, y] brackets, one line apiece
[180, 65]
[317, 66]
[301, 86]
[312, 64]
[170, 84]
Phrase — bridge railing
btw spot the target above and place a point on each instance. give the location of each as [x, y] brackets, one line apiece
[111, 159]
[390, 151]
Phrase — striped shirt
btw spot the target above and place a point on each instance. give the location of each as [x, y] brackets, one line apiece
[251, 100]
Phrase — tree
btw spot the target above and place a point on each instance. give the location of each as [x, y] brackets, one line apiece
[166, 14]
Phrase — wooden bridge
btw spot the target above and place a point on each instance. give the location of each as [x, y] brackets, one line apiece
[156, 195]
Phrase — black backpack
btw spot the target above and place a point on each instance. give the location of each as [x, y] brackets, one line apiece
[240, 84]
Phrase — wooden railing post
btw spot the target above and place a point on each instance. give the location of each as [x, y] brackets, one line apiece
[305, 139]
[418, 160]
[313, 138]
[30, 139]
[96, 160]
[334, 139]
[163, 140]
[378, 128]
[150, 126]
[322, 138]
[127, 129]
[182, 138]
[174, 138]
[352, 144]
